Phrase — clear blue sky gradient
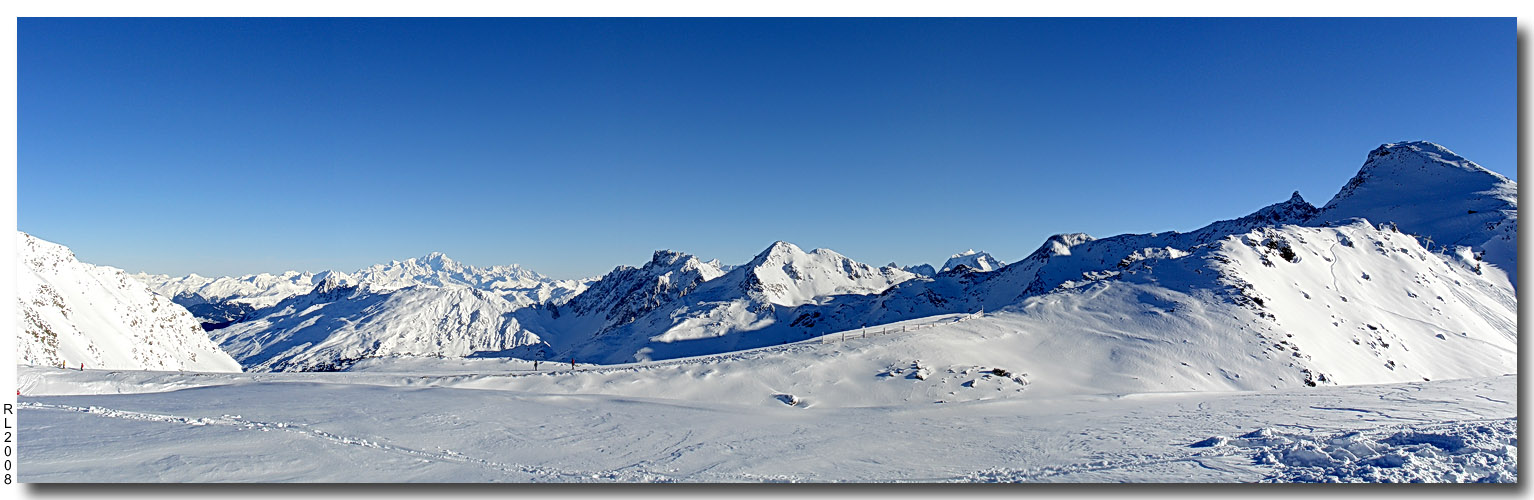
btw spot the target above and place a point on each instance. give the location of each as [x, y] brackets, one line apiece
[570, 146]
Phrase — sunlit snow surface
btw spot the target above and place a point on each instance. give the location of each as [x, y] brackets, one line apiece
[390, 426]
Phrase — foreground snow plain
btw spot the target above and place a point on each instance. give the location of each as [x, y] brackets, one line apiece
[859, 410]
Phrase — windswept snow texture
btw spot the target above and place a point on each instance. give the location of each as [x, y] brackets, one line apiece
[407, 427]
[75, 314]
[1483, 451]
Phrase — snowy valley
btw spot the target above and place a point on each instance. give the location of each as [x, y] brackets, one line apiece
[1373, 338]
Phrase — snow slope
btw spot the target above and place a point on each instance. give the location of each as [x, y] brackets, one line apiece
[71, 313]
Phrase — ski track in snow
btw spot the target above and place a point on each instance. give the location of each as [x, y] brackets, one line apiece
[534, 473]
[1433, 431]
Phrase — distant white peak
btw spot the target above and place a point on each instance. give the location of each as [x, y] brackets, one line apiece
[435, 260]
[1060, 244]
[974, 261]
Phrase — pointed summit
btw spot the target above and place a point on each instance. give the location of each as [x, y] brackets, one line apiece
[786, 275]
[778, 248]
[1293, 211]
[626, 293]
[1433, 193]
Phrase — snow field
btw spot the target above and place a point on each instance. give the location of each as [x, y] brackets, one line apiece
[329, 429]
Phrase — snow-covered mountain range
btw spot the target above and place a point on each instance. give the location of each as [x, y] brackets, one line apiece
[221, 301]
[705, 310]
[1407, 273]
[76, 315]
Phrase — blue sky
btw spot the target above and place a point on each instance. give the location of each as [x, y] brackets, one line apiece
[570, 146]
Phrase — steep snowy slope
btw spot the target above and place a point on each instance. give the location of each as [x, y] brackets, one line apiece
[71, 313]
[1358, 304]
[1429, 191]
[974, 261]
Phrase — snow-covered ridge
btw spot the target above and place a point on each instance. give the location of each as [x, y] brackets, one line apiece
[254, 290]
[76, 314]
[225, 300]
